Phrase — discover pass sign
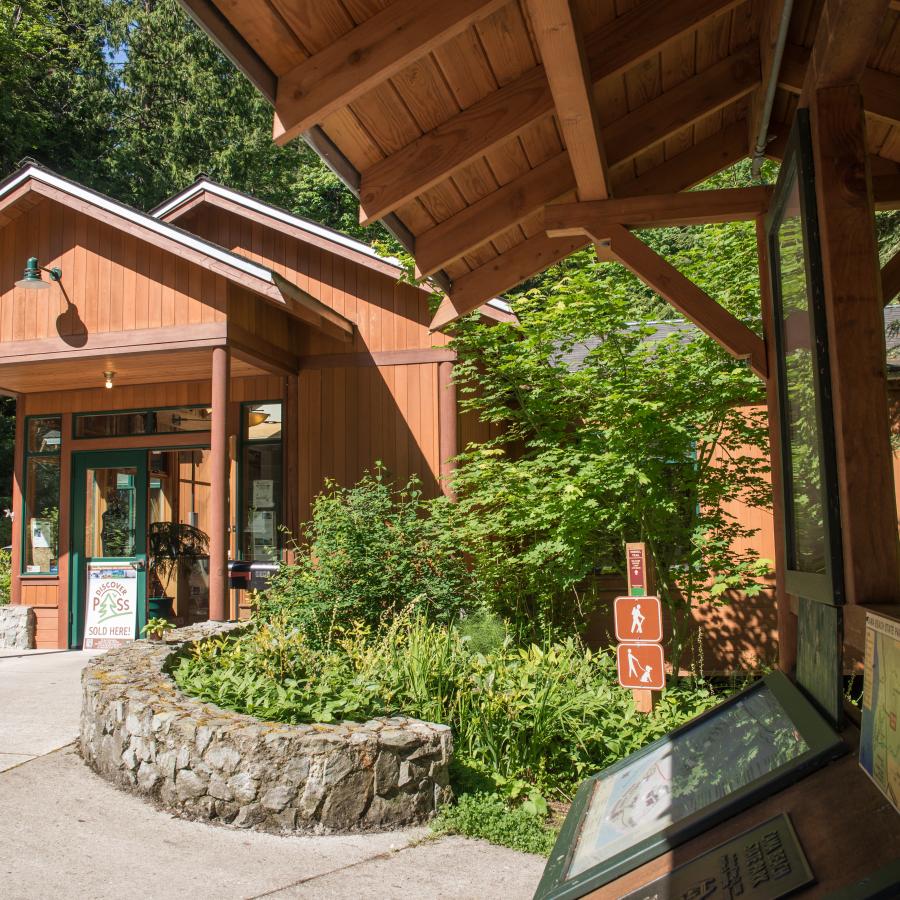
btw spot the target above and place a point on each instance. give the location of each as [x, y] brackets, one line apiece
[111, 606]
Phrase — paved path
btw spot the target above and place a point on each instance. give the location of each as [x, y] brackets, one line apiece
[66, 833]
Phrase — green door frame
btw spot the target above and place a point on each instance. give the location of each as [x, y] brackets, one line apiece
[105, 459]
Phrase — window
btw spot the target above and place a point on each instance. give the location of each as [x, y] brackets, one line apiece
[41, 518]
[261, 480]
[173, 420]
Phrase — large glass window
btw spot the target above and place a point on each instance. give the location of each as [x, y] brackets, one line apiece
[41, 519]
[172, 420]
[261, 481]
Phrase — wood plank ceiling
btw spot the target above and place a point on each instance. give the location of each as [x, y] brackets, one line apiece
[442, 115]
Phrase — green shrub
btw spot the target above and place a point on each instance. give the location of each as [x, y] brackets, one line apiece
[490, 817]
[5, 577]
[368, 552]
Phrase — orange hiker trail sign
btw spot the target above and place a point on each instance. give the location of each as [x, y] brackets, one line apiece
[641, 666]
[638, 619]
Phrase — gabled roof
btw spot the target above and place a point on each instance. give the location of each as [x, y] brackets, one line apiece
[35, 179]
[205, 190]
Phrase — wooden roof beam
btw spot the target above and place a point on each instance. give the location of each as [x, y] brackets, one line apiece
[366, 56]
[880, 90]
[845, 38]
[890, 278]
[626, 137]
[686, 297]
[506, 271]
[657, 210]
[624, 42]
[566, 68]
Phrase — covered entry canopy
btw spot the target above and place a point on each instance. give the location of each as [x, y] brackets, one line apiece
[455, 123]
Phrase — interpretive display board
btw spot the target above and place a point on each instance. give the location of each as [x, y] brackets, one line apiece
[751, 745]
[111, 606]
[764, 863]
[879, 739]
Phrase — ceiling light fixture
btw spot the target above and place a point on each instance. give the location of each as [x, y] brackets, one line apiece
[108, 379]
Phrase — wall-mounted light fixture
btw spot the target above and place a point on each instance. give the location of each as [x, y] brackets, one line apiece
[108, 379]
[33, 280]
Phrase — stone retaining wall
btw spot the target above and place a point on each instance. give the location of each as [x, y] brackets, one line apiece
[202, 762]
[17, 627]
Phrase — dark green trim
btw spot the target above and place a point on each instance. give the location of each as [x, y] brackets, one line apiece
[81, 462]
[823, 745]
[57, 454]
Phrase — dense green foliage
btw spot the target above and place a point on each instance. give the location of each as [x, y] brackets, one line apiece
[527, 717]
[646, 438]
[133, 99]
[367, 552]
[5, 577]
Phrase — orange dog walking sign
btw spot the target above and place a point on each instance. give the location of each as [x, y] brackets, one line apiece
[638, 619]
[641, 666]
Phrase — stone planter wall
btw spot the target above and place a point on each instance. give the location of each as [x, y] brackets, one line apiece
[17, 627]
[201, 762]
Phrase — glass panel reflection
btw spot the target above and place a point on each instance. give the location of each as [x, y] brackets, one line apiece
[110, 509]
[807, 509]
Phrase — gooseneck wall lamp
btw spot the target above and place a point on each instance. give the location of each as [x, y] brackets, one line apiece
[33, 280]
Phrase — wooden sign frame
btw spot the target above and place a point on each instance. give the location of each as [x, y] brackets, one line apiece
[822, 745]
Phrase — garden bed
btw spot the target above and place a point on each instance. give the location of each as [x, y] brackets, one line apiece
[202, 762]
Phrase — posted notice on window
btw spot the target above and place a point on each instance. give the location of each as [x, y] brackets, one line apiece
[111, 619]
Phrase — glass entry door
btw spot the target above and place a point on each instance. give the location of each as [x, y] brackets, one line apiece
[109, 547]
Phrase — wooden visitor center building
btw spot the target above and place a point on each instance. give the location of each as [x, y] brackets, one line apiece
[495, 137]
[163, 364]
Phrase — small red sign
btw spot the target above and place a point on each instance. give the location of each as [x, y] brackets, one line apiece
[638, 619]
[636, 560]
[641, 666]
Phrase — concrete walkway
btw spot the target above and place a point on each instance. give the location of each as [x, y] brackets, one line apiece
[66, 833]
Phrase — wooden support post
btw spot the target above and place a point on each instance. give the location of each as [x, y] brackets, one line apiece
[853, 306]
[291, 458]
[787, 621]
[218, 539]
[447, 425]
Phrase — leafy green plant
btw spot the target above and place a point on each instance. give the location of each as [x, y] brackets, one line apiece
[368, 552]
[490, 817]
[5, 577]
[532, 720]
[156, 628]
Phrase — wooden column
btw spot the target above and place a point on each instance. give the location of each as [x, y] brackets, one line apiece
[448, 427]
[218, 539]
[856, 345]
[787, 621]
[291, 450]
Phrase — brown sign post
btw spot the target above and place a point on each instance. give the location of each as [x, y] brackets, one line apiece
[638, 619]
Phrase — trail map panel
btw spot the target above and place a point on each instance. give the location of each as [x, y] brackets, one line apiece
[879, 741]
[725, 760]
[641, 666]
[638, 619]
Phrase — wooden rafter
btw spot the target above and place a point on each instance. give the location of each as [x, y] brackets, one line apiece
[890, 278]
[657, 210]
[687, 298]
[612, 49]
[880, 90]
[652, 124]
[679, 173]
[366, 56]
[566, 69]
[845, 38]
